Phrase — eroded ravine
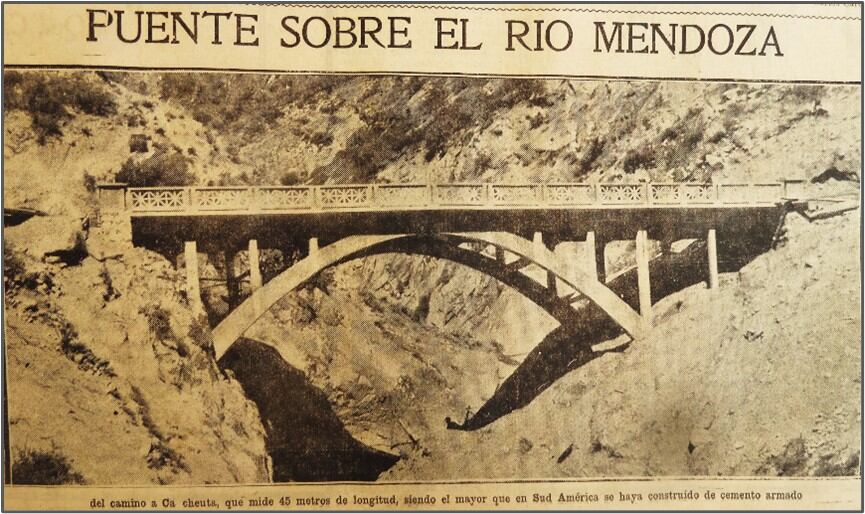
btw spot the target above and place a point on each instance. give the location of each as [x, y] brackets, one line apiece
[305, 439]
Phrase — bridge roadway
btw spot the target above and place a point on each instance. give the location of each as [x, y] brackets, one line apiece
[279, 217]
[738, 221]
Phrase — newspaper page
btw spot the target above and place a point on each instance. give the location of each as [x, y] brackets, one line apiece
[435, 257]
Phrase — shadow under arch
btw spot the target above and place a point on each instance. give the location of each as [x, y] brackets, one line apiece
[446, 246]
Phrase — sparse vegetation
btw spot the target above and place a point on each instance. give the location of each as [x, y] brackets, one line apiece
[642, 157]
[678, 142]
[110, 293]
[807, 94]
[322, 281]
[201, 336]
[39, 467]
[159, 320]
[290, 178]
[319, 138]
[595, 149]
[160, 454]
[161, 169]
[483, 161]
[51, 99]
[89, 182]
[14, 268]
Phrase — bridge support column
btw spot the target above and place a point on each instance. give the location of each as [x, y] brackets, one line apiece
[538, 241]
[231, 283]
[595, 260]
[500, 254]
[712, 248]
[190, 262]
[643, 282]
[255, 281]
[313, 247]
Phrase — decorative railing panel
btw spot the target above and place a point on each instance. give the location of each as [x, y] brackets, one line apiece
[460, 194]
[221, 198]
[157, 199]
[288, 198]
[699, 193]
[616, 194]
[665, 194]
[402, 195]
[570, 194]
[344, 196]
[511, 194]
[419, 196]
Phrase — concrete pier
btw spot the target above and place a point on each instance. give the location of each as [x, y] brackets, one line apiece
[643, 281]
[193, 289]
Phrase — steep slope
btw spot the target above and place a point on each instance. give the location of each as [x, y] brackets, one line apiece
[759, 377]
[111, 380]
[107, 369]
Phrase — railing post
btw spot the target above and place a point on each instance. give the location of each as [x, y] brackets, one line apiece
[252, 198]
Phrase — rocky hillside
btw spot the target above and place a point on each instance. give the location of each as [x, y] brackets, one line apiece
[110, 379]
[395, 343]
[761, 377]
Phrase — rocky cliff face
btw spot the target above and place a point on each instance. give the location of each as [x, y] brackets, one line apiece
[397, 343]
[110, 378]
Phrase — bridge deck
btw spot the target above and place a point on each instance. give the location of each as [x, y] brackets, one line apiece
[204, 201]
[279, 217]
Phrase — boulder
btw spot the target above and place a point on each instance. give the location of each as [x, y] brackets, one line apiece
[51, 237]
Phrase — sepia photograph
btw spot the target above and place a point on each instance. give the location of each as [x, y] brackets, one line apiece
[239, 288]
[359, 278]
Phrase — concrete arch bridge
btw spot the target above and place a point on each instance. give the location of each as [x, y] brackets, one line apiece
[501, 230]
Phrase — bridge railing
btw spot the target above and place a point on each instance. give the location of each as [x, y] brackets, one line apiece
[458, 195]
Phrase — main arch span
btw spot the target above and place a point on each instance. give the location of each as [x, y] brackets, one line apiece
[510, 255]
